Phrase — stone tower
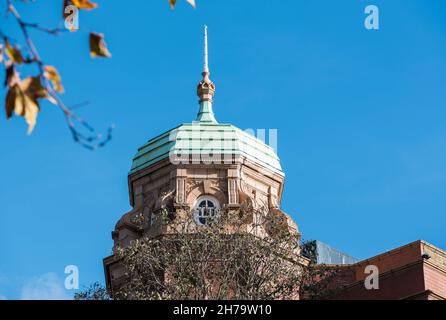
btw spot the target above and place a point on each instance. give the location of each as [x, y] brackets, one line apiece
[195, 170]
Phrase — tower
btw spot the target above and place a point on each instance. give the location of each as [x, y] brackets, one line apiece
[196, 169]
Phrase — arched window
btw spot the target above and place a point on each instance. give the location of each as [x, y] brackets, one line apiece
[206, 207]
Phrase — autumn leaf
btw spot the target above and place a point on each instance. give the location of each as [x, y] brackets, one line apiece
[84, 4]
[30, 110]
[13, 92]
[22, 99]
[173, 2]
[1, 53]
[98, 48]
[11, 77]
[22, 105]
[32, 86]
[14, 54]
[52, 75]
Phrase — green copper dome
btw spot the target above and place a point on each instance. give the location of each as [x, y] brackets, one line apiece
[205, 140]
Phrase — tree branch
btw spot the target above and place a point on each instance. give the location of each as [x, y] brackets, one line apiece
[90, 139]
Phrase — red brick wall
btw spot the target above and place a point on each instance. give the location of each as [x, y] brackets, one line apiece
[403, 274]
[397, 284]
[391, 260]
[435, 280]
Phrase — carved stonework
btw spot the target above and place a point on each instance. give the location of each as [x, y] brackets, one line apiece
[192, 184]
[251, 193]
[181, 191]
[212, 187]
[166, 198]
[232, 191]
[205, 185]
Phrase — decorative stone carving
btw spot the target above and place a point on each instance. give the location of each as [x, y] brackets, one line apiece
[165, 199]
[181, 191]
[191, 185]
[232, 191]
[250, 192]
[198, 187]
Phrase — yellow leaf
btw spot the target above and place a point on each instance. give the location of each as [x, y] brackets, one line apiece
[52, 74]
[98, 48]
[84, 4]
[30, 110]
[14, 54]
[1, 53]
[12, 77]
[23, 100]
[23, 105]
[32, 86]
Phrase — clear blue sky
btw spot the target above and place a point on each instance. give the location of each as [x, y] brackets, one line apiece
[360, 117]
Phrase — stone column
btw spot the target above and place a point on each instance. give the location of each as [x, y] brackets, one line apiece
[180, 186]
[233, 197]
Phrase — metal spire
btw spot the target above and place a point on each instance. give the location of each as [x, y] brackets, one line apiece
[205, 64]
[206, 88]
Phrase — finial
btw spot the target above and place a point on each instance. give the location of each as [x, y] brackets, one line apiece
[206, 88]
[205, 64]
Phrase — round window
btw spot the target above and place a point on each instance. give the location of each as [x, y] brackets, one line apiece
[206, 208]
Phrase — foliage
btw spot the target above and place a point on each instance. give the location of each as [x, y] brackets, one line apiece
[225, 259]
[230, 258]
[95, 292]
[309, 250]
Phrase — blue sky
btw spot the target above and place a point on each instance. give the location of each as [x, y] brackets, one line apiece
[360, 117]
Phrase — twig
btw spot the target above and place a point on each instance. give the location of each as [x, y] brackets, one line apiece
[55, 31]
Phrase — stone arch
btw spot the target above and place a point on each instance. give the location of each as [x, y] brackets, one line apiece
[198, 191]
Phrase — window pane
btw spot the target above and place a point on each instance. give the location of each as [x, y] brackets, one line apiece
[205, 211]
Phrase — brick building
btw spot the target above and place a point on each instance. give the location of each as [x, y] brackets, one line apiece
[197, 168]
[416, 271]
